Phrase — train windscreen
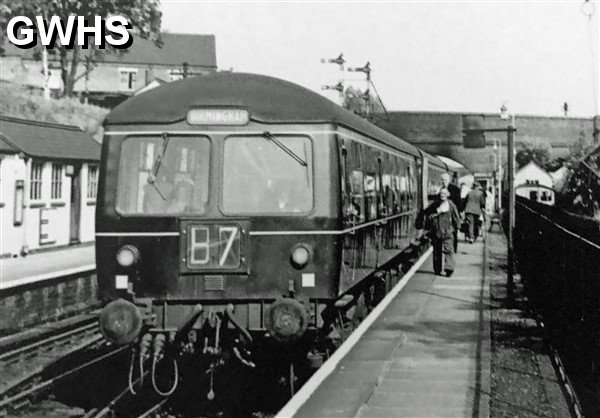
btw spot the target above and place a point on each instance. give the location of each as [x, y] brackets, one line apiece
[267, 175]
[163, 175]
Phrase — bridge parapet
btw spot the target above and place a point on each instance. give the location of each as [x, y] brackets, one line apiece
[440, 133]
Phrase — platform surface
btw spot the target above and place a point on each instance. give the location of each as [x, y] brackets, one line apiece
[15, 271]
[427, 355]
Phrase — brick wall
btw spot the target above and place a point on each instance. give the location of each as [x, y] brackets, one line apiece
[28, 306]
[440, 133]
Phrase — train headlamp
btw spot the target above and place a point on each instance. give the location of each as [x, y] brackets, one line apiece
[218, 116]
[127, 256]
[301, 255]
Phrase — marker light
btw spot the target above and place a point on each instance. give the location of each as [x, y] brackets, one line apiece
[301, 254]
[216, 116]
[127, 256]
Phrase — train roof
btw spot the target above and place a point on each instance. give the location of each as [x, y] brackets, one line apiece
[268, 99]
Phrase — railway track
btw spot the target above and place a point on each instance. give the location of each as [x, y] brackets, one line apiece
[27, 367]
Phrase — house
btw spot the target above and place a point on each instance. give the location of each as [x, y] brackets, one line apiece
[118, 75]
[534, 183]
[48, 183]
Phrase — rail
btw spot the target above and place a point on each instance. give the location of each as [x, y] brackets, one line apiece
[29, 361]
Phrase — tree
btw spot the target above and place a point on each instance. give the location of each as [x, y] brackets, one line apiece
[144, 16]
[354, 100]
[533, 150]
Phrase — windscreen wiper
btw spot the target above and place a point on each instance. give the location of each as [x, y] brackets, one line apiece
[288, 151]
[156, 166]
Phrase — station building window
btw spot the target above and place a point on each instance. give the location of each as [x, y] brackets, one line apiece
[35, 191]
[92, 182]
[56, 184]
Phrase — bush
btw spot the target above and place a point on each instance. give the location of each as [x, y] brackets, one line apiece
[21, 102]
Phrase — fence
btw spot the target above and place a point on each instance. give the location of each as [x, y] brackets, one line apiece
[558, 257]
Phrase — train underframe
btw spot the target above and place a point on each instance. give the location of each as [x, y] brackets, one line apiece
[211, 354]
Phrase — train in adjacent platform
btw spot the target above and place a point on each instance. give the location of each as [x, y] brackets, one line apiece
[246, 219]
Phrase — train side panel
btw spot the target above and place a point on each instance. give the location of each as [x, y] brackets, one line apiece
[379, 193]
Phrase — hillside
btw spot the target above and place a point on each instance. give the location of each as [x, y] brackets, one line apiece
[23, 103]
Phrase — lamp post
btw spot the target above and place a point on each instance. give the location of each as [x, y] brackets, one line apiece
[498, 147]
[588, 8]
[474, 130]
[510, 130]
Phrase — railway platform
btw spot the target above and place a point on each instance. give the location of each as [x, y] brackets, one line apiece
[426, 355]
[46, 265]
[45, 287]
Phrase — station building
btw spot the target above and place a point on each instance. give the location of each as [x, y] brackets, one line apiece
[48, 185]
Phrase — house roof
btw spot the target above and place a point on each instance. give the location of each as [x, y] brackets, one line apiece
[6, 147]
[47, 140]
[196, 50]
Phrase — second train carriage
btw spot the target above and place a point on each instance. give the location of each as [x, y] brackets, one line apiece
[254, 197]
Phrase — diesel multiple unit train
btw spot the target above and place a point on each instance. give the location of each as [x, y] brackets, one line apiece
[241, 218]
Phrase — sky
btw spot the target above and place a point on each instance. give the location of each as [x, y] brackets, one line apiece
[450, 56]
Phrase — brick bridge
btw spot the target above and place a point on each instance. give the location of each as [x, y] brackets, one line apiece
[440, 133]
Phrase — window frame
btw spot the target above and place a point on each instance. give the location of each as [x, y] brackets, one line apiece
[56, 181]
[36, 184]
[131, 81]
[269, 214]
[172, 135]
[92, 182]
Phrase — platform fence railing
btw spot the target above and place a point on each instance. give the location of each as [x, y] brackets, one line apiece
[558, 258]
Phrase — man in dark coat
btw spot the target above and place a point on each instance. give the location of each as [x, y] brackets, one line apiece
[454, 198]
[474, 207]
[443, 220]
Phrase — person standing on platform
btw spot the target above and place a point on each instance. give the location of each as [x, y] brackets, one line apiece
[474, 208]
[454, 198]
[443, 220]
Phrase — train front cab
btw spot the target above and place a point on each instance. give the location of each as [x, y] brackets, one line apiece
[262, 198]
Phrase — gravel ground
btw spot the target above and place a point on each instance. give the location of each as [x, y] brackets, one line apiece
[523, 380]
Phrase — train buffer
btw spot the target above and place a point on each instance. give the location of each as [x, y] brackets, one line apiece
[426, 355]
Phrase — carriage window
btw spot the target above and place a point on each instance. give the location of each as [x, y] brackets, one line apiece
[267, 174]
[159, 176]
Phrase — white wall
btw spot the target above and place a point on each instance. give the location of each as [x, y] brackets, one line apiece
[12, 168]
[57, 211]
[525, 191]
[533, 173]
